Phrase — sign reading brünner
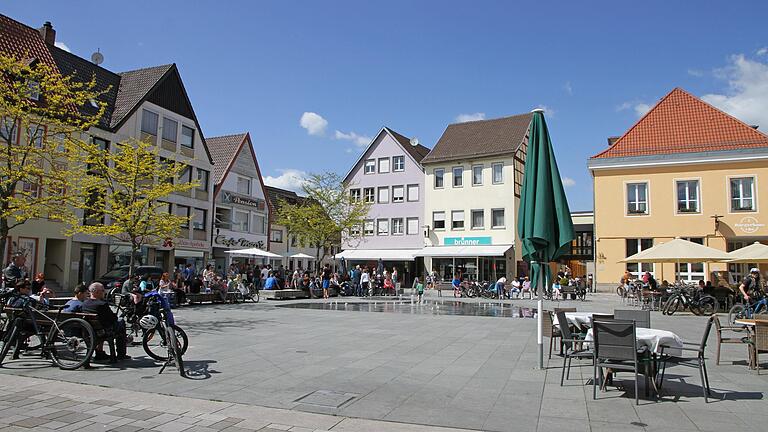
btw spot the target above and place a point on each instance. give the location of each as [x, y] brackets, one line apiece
[467, 241]
[243, 200]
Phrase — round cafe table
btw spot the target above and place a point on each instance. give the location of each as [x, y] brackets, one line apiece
[654, 339]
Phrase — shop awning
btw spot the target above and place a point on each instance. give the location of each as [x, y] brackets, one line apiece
[301, 256]
[253, 252]
[463, 251]
[375, 254]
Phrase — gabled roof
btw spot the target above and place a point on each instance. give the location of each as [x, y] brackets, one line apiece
[683, 123]
[416, 153]
[482, 138]
[277, 195]
[23, 42]
[227, 152]
[135, 85]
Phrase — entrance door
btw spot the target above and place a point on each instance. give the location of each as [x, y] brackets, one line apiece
[87, 265]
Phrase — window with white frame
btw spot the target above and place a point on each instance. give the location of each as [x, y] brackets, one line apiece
[438, 220]
[413, 192]
[635, 245]
[497, 170]
[31, 190]
[637, 198]
[33, 90]
[738, 271]
[457, 219]
[478, 219]
[183, 211]
[187, 136]
[742, 194]
[687, 196]
[241, 221]
[397, 226]
[458, 177]
[398, 194]
[398, 163]
[354, 232]
[9, 130]
[497, 218]
[170, 129]
[149, 122]
[223, 218]
[259, 224]
[370, 195]
[35, 134]
[691, 272]
[244, 185]
[276, 236]
[477, 175]
[439, 178]
[186, 174]
[370, 166]
[383, 165]
[383, 195]
[199, 219]
[368, 227]
[202, 178]
[412, 226]
[354, 195]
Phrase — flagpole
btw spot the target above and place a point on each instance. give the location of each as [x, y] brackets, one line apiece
[540, 311]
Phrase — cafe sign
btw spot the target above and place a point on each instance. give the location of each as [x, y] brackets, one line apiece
[467, 241]
[749, 225]
[241, 242]
[243, 200]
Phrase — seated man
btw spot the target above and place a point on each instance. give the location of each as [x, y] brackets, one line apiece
[75, 304]
[271, 282]
[114, 327]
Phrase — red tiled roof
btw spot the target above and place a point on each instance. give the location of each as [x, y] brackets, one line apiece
[683, 123]
[23, 42]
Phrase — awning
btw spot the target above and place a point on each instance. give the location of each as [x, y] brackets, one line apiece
[253, 252]
[301, 255]
[375, 254]
[463, 251]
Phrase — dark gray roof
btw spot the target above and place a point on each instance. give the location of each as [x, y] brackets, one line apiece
[223, 150]
[417, 152]
[481, 138]
[134, 86]
[277, 195]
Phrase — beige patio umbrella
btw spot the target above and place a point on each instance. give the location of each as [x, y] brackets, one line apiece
[754, 253]
[678, 251]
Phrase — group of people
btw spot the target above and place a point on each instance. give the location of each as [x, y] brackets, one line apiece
[369, 282]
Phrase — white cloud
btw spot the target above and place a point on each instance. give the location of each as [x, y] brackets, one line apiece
[314, 123]
[695, 72]
[762, 51]
[62, 45]
[289, 179]
[640, 108]
[358, 140]
[462, 118]
[746, 97]
[568, 89]
[549, 112]
[568, 182]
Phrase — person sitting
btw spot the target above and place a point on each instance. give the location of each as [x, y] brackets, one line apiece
[515, 287]
[556, 289]
[196, 286]
[114, 327]
[389, 285]
[271, 282]
[21, 298]
[75, 304]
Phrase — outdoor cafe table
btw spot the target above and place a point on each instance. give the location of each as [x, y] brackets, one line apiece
[579, 319]
[654, 339]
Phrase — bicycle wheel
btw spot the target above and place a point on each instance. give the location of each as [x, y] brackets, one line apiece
[176, 350]
[155, 344]
[708, 305]
[9, 339]
[738, 311]
[71, 344]
[621, 291]
[672, 305]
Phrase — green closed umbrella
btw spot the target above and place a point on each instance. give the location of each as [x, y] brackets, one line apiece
[543, 221]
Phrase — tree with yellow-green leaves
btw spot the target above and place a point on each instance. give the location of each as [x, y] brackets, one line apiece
[42, 140]
[125, 187]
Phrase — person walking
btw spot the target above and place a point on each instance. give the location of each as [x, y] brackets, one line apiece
[356, 273]
[365, 282]
[394, 278]
[326, 277]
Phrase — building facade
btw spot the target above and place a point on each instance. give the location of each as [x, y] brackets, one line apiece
[685, 169]
[241, 213]
[472, 191]
[389, 176]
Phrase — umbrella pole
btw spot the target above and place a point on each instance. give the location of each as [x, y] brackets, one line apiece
[540, 317]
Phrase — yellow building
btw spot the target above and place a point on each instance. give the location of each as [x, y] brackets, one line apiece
[685, 169]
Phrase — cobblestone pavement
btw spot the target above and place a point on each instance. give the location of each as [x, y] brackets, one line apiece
[416, 368]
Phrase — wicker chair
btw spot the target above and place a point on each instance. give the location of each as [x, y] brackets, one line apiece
[758, 344]
[550, 330]
[719, 329]
[641, 317]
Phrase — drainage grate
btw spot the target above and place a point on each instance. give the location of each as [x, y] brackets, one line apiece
[640, 424]
[327, 398]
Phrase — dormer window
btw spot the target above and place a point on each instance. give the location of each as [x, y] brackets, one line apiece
[34, 90]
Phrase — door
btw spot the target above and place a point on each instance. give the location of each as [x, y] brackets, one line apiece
[87, 265]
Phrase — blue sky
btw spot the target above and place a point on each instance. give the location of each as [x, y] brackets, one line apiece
[417, 66]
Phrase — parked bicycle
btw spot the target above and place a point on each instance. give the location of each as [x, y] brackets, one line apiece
[156, 323]
[748, 311]
[691, 298]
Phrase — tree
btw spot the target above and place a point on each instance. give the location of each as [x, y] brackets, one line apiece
[125, 187]
[325, 216]
[41, 141]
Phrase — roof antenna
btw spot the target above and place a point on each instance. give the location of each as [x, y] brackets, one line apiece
[97, 58]
[414, 142]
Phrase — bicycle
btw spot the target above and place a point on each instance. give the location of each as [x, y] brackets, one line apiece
[748, 311]
[156, 347]
[697, 303]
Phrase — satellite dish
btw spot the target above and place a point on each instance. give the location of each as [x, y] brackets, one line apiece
[414, 142]
[97, 58]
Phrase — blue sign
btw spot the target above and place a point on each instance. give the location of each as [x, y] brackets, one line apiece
[467, 241]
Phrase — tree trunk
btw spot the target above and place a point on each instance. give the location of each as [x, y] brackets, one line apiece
[134, 248]
[4, 231]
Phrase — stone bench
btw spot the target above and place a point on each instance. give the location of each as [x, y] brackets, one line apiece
[283, 294]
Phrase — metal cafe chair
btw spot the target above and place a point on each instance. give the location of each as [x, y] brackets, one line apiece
[641, 317]
[615, 344]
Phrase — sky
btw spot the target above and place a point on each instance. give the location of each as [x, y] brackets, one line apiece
[314, 81]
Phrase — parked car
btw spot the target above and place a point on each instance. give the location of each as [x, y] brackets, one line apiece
[116, 277]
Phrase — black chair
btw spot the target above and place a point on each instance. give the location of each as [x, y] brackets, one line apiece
[696, 362]
[641, 317]
[615, 349]
[569, 342]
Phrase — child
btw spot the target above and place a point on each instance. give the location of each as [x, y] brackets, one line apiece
[420, 291]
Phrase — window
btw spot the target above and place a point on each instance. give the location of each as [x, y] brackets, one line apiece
[202, 178]
[413, 192]
[354, 195]
[170, 129]
[634, 246]
[743, 194]
[688, 196]
[457, 219]
[691, 272]
[163, 207]
[34, 90]
[61, 139]
[497, 218]
[223, 218]
[412, 227]
[149, 122]
[198, 219]
[187, 136]
[738, 271]
[101, 143]
[398, 194]
[186, 174]
[35, 134]
[259, 225]
[383, 165]
[31, 190]
[398, 163]
[370, 195]
[498, 173]
[458, 177]
[183, 211]
[397, 226]
[244, 185]
[370, 166]
[9, 131]
[276, 236]
[240, 223]
[382, 227]
[477, 175]
[368, 227]
[383, 195]
[637, 198]
[438, 220]
[439, 178]
[354, 232]
[478, 219]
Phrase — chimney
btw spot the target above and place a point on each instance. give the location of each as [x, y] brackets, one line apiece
[48, 33]
[612, 140]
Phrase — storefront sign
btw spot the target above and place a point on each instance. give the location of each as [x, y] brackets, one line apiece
[237, 242]
[749, 225]
[243, 200]
[467, 241]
